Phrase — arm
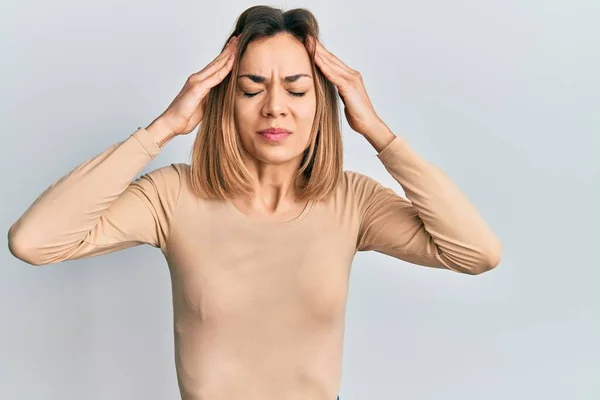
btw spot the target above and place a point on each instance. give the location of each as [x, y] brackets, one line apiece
[97, 208]
[436, 226]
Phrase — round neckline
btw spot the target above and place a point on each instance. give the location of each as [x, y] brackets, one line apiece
[270, 224]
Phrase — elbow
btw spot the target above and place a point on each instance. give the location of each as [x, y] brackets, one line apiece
[474, 259]
[18, 247]
[489, 259]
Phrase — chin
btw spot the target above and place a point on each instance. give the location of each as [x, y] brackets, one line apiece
[276, 156]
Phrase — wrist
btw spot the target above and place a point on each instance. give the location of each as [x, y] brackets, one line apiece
[379, 136]
[160, 132]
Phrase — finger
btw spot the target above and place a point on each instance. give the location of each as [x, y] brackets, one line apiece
[333, 72]
[230, 48]
[201, 87]
[219, 74]
[329, 56]
[223, 56]
[215, 65]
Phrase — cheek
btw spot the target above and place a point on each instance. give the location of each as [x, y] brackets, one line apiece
[243, 114]
[306, 112]
[237, 109]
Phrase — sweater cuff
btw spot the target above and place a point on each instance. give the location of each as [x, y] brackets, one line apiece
[143, 136]
[392, 148]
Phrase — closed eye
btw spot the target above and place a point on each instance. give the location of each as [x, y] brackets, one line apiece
[297, 94]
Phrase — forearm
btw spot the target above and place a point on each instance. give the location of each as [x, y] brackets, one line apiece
[70, 207]
[459, 231]
[379, 136]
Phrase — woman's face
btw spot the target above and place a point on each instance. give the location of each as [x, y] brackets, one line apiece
[265, 98]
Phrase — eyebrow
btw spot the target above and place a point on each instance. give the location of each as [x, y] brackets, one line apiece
[262, 79]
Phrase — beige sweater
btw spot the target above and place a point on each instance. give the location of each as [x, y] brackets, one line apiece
[258, 306]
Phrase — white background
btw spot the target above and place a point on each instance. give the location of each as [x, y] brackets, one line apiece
[502, 95]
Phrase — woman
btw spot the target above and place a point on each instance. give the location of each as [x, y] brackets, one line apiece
[260, 230]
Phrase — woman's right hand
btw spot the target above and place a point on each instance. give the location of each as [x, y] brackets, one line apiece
[187, 109]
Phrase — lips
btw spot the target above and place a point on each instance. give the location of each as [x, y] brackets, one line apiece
[274, 131]
[274, 134]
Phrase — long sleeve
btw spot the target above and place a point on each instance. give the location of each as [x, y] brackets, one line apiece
[437, 226]
[98, 208]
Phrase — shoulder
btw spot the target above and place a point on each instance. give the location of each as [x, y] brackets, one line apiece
[171, 174]
[360, 184]
[168, 180]
[360, 189]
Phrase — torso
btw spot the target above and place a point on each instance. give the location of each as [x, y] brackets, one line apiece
[259, 305]
[292, 211]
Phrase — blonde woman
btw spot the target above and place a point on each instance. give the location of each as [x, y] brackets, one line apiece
[259, 231]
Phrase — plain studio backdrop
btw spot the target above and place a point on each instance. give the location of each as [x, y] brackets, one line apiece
[502, 95]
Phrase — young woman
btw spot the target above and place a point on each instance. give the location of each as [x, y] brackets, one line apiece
[259, 231]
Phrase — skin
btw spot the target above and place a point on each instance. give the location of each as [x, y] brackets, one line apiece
[273, 165]
[358, 109]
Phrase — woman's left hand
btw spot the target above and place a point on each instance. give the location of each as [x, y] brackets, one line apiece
[359, 111]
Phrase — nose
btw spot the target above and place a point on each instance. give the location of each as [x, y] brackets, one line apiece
[275, 103]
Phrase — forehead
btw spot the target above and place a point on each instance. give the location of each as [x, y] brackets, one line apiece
[282, 53]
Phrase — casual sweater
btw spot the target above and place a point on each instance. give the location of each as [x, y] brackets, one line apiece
[258, 306]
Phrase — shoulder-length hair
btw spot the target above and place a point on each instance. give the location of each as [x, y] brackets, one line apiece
[217, 168]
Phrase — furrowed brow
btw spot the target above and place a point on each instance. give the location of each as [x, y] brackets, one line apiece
[261, 79]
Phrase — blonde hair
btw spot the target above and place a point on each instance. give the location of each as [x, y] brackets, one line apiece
[217, 168]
